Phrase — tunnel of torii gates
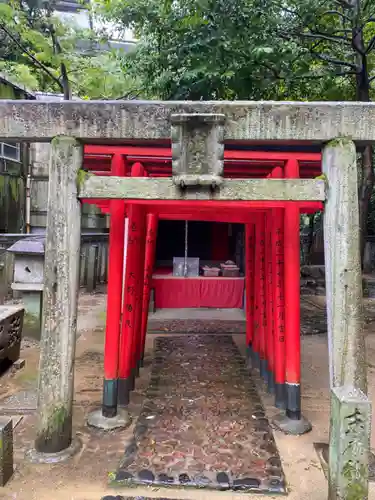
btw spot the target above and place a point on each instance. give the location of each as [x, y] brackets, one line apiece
[272, 265]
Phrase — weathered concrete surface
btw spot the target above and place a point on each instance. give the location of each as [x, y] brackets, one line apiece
[61, 284]
[245, 120]
[343, 266]
[93, 186]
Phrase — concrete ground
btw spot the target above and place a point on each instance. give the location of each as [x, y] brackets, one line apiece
[85, 477]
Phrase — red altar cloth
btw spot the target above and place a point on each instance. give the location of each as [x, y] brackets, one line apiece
[221, 293]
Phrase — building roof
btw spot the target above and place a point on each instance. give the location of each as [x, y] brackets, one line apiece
[69, 5]
[4, 78]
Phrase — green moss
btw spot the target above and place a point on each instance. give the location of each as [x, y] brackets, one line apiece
[111, 476]
[340, 141]
[14, 188]
[355, 489]
[57, 418]
[102, 315]
[7, 91]
[82, 176]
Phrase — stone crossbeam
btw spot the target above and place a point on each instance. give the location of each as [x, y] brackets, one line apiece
[105, 121]
[92, 186]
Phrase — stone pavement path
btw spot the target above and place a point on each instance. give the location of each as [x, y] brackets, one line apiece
[202, 423]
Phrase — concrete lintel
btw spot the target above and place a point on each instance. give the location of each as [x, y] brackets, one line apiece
[93, 121]
[232, 189]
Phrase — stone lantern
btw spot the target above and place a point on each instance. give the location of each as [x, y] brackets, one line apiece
[28, 280]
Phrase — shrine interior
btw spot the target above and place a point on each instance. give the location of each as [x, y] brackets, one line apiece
[208, 284]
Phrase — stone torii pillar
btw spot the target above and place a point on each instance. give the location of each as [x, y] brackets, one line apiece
[54, 440]
[350, 406]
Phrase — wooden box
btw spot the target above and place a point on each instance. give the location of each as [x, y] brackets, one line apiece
[212, 272]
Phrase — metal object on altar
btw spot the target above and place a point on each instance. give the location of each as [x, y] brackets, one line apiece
[188, 267]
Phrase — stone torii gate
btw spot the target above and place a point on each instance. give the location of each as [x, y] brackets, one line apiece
[198, 132]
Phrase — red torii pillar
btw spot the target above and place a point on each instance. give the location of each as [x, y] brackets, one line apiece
[249, 287]
[276, 295]
[151, 236]
[279, 306]
[269, 283]
[115, 272]
[132, 300]
[292, 422]
[258, 340]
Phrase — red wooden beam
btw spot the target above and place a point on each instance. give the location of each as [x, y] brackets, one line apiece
[176, 208]
[151, 151]
[127, 150]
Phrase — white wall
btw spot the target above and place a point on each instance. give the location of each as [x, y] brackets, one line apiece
[81, 19]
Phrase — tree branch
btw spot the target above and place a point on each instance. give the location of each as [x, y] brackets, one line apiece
[64, 73]
[322, 36]
[309, 76]
[33, 58]
[130, 95]
[370, 46]
[344, 3]
[336, 62]
[336, 13]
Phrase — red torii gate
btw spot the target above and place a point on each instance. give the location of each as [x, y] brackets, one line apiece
[272, 258]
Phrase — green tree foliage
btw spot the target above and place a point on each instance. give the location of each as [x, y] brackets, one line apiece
[193, 49]
[44, 53]
[239, 49]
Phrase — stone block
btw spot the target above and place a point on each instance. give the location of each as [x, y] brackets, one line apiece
[197, 149]
[349, 444]
[6, 450]
[11, 327]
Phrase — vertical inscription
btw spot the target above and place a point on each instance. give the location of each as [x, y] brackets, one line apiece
[279, 280]
[249, 285]
[270, 300]
[262, 266]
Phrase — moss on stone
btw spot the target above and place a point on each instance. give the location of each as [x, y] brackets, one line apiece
[14, 189]
[340, 141]
[7, 91]
[58, 417]
[55, 421]
[355, 489]
[82, 176]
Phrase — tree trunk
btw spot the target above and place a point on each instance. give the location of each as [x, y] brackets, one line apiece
[310, 239]
[365, 190]
[366, 181]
